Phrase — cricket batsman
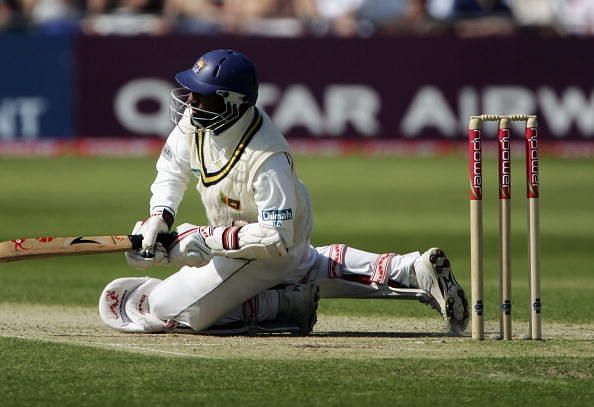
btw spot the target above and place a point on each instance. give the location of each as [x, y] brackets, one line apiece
[252, 268]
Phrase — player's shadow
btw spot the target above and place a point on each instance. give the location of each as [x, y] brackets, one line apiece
[379, 334]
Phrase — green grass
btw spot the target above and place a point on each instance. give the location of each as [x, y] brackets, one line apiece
[380, 204]
[101, 377]
[376, 204]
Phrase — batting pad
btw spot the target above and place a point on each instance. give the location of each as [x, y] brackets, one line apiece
[123, 305]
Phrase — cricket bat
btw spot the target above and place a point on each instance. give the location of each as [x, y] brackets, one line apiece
[38, 247]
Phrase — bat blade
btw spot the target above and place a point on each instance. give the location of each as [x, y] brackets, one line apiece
[38, 247]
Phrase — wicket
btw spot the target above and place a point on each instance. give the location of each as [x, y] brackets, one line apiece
[476, 223]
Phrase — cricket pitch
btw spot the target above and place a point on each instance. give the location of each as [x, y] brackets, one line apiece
[334, 337]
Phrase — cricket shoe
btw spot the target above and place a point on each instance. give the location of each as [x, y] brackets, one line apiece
[298, 303]
[433, 273]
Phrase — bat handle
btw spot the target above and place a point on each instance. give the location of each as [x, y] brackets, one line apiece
[166, 239]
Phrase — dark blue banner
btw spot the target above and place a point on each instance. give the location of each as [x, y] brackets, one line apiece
[35, 87]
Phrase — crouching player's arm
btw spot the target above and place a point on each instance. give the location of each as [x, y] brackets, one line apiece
[168, 188]
[273, 234]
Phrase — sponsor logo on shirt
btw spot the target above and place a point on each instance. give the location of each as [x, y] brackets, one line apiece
[166, 153]
[277, 216]
[231, 203]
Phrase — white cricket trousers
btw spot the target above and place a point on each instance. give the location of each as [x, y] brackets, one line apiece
[199, 297]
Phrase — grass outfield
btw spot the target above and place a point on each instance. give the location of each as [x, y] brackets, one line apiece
[379, 204]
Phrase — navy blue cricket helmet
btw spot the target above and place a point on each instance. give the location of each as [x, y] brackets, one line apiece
[221, 69]
[216, 91]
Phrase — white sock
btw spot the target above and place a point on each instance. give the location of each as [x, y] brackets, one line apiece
[401, 267]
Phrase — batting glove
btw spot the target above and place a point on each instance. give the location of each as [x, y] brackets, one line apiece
[137, 260]
[190, 249]
[160, 221]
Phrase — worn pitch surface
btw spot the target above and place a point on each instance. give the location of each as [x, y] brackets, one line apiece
[333, 337]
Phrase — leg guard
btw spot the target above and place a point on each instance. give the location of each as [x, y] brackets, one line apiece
[345, 272]
[124, 306]
[297, 314]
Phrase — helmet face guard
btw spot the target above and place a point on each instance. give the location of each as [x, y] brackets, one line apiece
[183, 101]
[225, 77]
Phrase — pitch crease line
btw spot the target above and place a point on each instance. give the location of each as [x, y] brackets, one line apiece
[103, 344]
[139, 348]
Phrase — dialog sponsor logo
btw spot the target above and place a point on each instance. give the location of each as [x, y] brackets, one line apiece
[277, 215]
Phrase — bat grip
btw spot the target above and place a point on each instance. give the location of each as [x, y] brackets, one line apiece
[166, 239]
